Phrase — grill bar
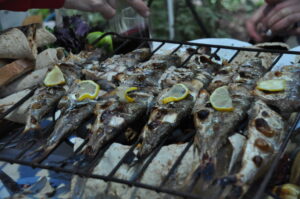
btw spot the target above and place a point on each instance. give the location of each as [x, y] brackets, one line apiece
[134, 181]
[102, 177]
[272, 168]
[149, 160]
[176, 164]
[207, 45]
[11, 139]
[16, 105]
[235, 54]
[189, 57]
[129, 152]
[276, 60]
[176, 49]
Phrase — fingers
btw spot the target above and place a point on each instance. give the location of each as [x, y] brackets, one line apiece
[106, 10]
[251, 24]
[140, 7]
[280, 10]
[251, 28]
[285, 23]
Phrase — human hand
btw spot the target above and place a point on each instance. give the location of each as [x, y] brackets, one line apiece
[106, 7]
[253, 25]
[283, 17]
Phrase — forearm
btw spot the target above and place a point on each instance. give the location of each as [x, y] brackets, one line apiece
[23, 5]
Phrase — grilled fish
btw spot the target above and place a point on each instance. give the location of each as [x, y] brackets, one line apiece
[165, 117]
[111, 67]
[246, 74]
[213, 127]
[68, 122]
[46, 97]
[114, 115]
[266, 130]
[286, 101]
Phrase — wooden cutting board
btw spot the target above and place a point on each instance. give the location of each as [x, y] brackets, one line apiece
[14, 70]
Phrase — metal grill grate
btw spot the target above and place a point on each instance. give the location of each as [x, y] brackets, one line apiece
[134, 181]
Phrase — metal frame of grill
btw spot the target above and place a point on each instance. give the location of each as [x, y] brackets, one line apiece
[61, 167]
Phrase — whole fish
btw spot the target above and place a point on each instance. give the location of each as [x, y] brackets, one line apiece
[42, 102]
[109, 68]
[67, 123]
[266, 131]
[288, 100]
[114, 115]
[46, 97]
[213, 127]
[165, 117]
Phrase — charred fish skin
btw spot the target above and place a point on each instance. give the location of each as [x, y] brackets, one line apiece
[245, 74]
[113, 117]
[266, 131]
[44, 98]
[288, 100]
[64, 126]
[223, 77]
[165, 117]
[249, 72]
[212, 127]
[146, 75]
[111, 67]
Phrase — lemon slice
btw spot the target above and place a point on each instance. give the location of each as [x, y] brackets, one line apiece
[122, 93]
[273, 85]
[220, 99]
[88, 89]
[54, 77]
[176, 93]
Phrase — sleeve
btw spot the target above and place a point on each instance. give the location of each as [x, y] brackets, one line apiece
[23, 5]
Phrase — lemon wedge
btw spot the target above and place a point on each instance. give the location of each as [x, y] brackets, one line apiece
[54, 77]
[87, 89]
[220, 99]
[176, 93]
[122, 93]
[273, 85]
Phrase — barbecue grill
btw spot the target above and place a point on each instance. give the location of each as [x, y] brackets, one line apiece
[12, 131]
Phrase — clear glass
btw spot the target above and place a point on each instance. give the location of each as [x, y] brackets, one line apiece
[128, 22]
